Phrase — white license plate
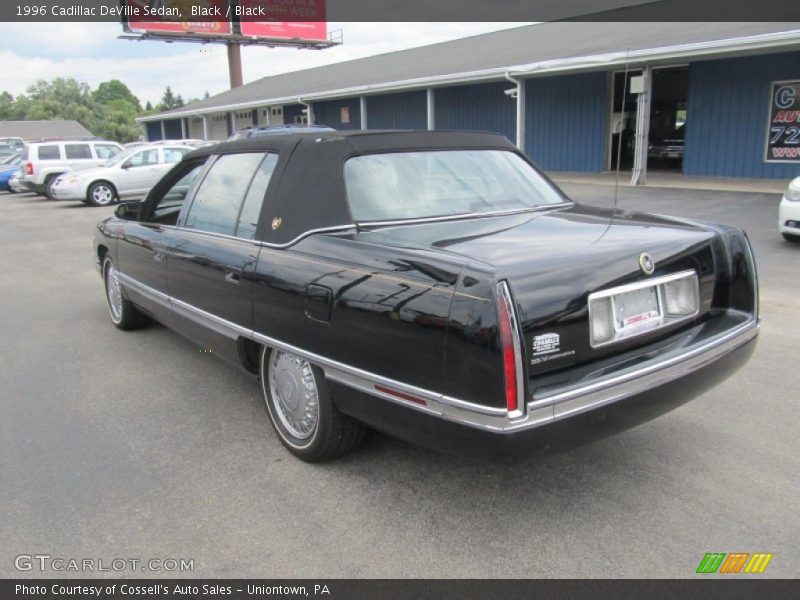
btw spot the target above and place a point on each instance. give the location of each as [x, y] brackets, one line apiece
[636, 309]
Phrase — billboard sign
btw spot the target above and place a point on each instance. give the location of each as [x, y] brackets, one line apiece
[283, 19]
[783, 129]
[158, 17]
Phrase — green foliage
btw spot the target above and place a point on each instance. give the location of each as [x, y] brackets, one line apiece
[170, 101]
[110, 111]
[109, 91]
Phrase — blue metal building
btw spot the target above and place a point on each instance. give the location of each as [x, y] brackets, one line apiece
[702, 98]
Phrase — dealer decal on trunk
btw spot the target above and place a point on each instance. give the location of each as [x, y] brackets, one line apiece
[548, 347]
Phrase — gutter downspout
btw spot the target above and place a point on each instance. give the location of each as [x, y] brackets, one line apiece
[309, 110]
[520, 83]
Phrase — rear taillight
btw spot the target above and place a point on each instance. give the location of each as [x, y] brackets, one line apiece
[510, 347]
[29, 168]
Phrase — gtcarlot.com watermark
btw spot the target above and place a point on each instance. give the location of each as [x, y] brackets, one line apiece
[57, 564]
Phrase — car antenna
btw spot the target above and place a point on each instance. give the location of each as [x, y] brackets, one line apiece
[622, 115]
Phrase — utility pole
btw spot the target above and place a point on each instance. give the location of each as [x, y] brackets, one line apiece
[235, 64]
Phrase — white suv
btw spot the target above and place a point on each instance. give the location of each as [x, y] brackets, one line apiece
[45, 161]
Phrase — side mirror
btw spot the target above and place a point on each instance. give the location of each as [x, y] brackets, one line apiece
[127, 165]
[128, 211]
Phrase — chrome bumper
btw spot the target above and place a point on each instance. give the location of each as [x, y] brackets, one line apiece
[606, 390]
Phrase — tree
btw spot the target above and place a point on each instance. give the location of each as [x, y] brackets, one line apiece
[62, 98]
[7, 107]
[108, 91]
[119, 121]
[148, 107]
[169, 101]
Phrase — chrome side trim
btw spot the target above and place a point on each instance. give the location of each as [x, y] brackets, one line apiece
[539, 412]
[145, 290]
[457, 217]
[305, 234]
[206, 319]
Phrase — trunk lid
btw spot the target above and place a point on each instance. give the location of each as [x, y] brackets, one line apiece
[554, 259]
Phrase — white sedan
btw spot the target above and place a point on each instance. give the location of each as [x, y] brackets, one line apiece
[130, 174]
[789, 212]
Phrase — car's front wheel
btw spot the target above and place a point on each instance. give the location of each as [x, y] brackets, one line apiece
[48, 186]
[101, 193]
[302, 411]
[123, 313]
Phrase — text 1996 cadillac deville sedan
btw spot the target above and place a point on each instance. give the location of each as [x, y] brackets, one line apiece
[431, 285]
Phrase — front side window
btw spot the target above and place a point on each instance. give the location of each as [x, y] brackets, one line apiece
[49, 152]
[145, 158]
[168, 208]
[77, 151]
[439, 183]
[217, 202]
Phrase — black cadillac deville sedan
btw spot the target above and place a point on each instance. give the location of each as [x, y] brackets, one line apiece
[431, 285]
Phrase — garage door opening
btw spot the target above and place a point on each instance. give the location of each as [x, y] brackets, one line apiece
[668, 119]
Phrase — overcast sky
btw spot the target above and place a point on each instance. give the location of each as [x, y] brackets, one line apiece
[92, 53]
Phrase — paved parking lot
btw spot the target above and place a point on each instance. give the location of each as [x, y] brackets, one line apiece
[137, 444]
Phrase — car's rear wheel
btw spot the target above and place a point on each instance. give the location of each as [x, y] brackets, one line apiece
[124, 315]
[791, 238]
[101, 193]
[302, 411]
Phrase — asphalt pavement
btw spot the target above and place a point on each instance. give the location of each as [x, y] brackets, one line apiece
[138, 446]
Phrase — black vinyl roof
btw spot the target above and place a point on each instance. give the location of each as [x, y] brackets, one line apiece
[309, 192]
[358, 142]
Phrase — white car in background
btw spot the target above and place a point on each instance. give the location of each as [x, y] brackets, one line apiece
[130, 174]
[789, 212]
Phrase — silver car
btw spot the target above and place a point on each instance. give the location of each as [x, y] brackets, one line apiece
[130, 174]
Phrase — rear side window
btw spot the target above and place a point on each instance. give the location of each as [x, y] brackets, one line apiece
[77, 151]
[49, 152]
[145, 158]
[106, 151]
[251, 209]
[216, 205]
[174, 155]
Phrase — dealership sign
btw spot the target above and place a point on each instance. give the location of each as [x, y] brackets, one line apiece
[260, 19]
[783, 136]
[293, 19]
[167, 16]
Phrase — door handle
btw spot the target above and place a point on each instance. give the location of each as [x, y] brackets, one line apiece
[233, 276]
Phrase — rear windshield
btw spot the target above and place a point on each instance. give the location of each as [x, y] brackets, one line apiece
[439, 183]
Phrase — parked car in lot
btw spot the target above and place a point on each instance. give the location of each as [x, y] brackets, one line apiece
[7, 150]
[789, 212]
[432, 285]
[129, 174]
[15, 182]
[17, 143]
[45, 161]
[670, 148]
[9, 167]
[267, 130]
